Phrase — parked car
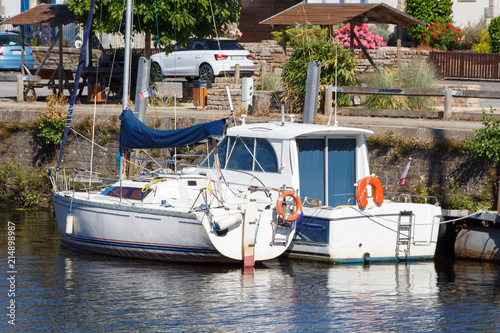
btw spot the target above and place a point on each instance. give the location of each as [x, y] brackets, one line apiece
[10, 52]
[203, 59]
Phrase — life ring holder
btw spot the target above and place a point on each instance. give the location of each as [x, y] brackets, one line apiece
[298, 206]
[361, 193]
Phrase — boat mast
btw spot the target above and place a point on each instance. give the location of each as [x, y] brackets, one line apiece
[126, 65]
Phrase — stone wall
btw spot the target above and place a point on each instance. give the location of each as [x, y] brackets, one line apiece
[70, 56]
[428, 167]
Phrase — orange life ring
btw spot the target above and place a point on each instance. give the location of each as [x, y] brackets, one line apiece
[378, 192]
[298, 206]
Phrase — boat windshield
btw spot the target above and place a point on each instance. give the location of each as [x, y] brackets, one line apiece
[245, 154]
[133, 193]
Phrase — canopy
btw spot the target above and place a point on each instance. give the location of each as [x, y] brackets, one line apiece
[134, 134]
[331, 14]
[53, 15]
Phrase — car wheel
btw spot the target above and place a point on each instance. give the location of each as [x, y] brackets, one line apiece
[155, 71]
[206, 73]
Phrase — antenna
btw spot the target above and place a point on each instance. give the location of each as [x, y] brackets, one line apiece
[282, 114]
[230, 101]
[335, 122]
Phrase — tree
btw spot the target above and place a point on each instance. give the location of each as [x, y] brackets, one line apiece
[177, 20]
[315, 48]
[429, 11]
[494, 32]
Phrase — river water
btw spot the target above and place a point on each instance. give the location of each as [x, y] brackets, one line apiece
[55, 289]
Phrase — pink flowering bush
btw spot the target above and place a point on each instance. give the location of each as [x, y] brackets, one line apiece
[231, 33]
[366, 36]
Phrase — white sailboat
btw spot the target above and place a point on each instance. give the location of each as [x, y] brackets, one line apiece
[164, 215]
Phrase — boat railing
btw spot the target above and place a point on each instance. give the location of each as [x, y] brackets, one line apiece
[75, 179]
[146, 166]
[413, 198]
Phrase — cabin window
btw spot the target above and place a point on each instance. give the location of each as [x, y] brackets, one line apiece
[266, 159]
[222, 147]
[338, 157]
[240, 154]
[243, 150]
[133, 193]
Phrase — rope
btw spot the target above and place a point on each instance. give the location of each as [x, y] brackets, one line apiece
[391, 221]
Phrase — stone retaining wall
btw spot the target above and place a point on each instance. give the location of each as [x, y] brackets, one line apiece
[70, 57]
[428, 167]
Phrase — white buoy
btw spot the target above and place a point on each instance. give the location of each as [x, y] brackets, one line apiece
[70, 221]
[228, 221]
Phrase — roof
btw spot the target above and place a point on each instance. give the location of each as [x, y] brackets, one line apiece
[331, 14]
[52, 15]
[287, 131]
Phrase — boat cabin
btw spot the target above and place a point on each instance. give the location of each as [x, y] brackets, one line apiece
[322, 162]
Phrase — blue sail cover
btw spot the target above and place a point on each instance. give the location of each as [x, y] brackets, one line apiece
[134, 134]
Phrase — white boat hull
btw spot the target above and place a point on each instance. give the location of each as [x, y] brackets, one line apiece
[135, 232]
[349, 235]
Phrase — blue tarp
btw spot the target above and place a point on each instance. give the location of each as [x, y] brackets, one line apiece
[134, 134]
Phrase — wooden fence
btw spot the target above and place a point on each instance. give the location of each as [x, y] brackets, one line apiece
[466, 65]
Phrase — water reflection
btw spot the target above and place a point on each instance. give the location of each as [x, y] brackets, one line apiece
[65, 290]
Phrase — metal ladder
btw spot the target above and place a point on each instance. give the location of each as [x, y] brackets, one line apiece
[403, 240]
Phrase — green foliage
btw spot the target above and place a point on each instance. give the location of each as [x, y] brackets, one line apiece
[473, 33]
[271, 82]
[451, 196]
[384, 79]
[51, 122]
[494, 31]
[177, 20]
[486, 143]
[443, 36]
[298, 33]
[418, 75]
[307, 50]
[429, 11]
[22, 188]
[383, 31]
[103, 131]
[51, 130]
[484, 46]
[413, 75]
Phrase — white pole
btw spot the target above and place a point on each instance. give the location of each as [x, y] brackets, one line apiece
[126, 65]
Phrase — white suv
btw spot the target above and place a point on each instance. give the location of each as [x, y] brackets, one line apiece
[203, 59]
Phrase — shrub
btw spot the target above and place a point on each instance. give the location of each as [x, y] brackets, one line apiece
[19, 187]
[429, 11]
[384, 79]
[418, 75]
[271, 81]
[52, 121]
[300, 32]
[413, 75]
[366, 36]
[383, 31]
[443, 36]
[473, 33]
[484, 45]
[318, 49]
[494, 31]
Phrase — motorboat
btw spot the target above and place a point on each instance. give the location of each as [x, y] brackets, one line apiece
[346, 217]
